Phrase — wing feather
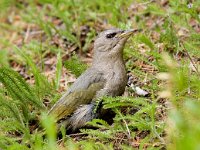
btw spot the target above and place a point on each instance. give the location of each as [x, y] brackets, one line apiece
[81, 92]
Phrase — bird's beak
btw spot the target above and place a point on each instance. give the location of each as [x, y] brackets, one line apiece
[127, 33]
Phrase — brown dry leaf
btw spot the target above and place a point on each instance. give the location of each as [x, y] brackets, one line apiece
[194, 23]
[143, 49]
[62, 146]
[155, 36]
[136, 8]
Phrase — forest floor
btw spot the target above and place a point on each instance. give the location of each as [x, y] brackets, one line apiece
[46, 44]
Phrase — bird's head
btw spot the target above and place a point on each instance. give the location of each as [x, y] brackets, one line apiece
[110, 43]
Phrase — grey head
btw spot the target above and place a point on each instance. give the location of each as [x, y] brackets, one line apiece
[109, 44]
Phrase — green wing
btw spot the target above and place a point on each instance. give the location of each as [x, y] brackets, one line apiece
[73, 100]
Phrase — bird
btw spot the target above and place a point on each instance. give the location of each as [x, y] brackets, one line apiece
[105, 77]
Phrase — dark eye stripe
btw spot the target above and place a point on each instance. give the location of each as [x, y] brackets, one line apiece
[111, 35]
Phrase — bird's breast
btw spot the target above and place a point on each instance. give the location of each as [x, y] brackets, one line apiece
[116, 80]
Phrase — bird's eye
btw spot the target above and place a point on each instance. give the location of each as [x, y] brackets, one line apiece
[111, 35]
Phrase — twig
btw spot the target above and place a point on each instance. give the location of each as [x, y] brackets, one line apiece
[27, 34]
[160, 138]
[77, 134]
[129, 133]
[146, 3]
[190, 58]
[36, 32]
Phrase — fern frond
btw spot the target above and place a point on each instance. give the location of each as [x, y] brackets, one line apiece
[98, 134]
[110, 102]
[17, 88]
[75, 66]
[99, 123]
[42, 86]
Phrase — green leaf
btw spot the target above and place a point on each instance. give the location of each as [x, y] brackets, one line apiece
[58, 70]
[146, 41]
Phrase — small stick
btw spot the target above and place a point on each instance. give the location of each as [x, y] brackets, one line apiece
[190, 58]
[27, 34]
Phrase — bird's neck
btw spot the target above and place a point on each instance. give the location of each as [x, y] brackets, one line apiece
[108, 62]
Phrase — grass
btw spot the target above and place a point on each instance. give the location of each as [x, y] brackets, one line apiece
[40, 56]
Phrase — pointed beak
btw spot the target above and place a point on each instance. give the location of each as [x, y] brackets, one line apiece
[128, 33]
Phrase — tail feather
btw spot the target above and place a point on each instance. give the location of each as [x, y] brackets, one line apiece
[82, 115]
